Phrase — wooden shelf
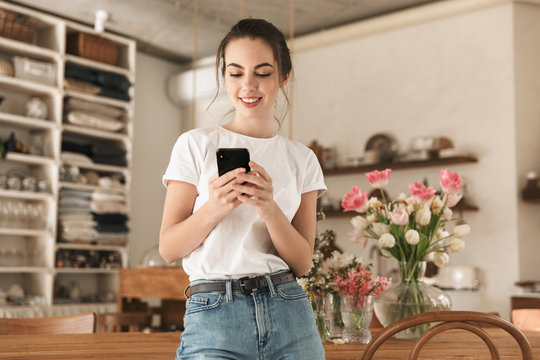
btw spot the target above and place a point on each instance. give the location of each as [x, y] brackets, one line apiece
[398, 165]
[85, 271]
[531, 201]
[350, 214]
[27, 195]
[26, 122]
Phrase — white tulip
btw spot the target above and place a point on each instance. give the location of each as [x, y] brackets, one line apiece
[371, 218]
[359, 223]
[456, 244]
[412, 237]
[387, 240]
[441, 234]
[380, 228]
[423, 216]
[461, 230]
[437, 205]
[447, 214]
[441, 258]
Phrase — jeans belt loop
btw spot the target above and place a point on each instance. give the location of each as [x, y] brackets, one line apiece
[270, 285]
[186, 290]
[228, 291]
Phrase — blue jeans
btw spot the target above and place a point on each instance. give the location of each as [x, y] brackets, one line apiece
[274, 323]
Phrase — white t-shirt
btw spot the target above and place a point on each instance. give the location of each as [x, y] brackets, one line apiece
[240, 244]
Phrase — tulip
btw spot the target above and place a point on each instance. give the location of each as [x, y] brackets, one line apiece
[380, 228]
[461, 230]
[421, 192]
[447, 214]
[441, 258]
[379, 179]
[412, 237]
[399, 216]
[441, 234]
[437, 205]
[453, 199]
[423, 216]
[355, 200]
[450, 181]
[387, 240]
[359, 223]
[456, 245]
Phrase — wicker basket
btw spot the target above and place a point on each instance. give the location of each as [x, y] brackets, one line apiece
[92, 47]
[17, 26]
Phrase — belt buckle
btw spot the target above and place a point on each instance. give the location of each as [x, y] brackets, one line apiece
[245, 290]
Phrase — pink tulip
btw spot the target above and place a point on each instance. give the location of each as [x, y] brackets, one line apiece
[355, 200]
[379, 179]
[421, 192]
[450, 181]
[453, 199]
[399, 216]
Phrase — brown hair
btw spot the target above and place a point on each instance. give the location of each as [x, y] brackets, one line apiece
[257, 29]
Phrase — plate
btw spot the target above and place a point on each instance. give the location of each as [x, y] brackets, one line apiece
[384, 144]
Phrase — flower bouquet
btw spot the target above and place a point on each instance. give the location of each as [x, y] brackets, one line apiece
[409, 228]
[357, 291]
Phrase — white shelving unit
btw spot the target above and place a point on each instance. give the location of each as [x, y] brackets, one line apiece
[28, 255]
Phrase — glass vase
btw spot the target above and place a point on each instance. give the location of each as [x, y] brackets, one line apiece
[317, 303]
[408, 297]
[356, 312]
[332, 307]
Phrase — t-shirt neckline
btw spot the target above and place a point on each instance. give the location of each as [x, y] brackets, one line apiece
[248, 137]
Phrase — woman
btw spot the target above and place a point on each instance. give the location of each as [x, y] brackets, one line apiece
[243, 236]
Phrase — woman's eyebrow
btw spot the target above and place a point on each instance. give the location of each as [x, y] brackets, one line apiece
[256, 67]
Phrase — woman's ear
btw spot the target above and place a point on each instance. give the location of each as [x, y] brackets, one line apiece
[285, 80]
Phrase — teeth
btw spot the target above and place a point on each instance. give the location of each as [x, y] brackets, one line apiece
[250, 100]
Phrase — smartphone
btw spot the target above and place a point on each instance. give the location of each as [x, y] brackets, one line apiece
[232, 158]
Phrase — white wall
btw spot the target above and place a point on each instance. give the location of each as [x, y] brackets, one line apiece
[157, 125]
[454, 77]
[527, 58]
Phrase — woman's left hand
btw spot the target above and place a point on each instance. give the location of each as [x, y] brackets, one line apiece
[257, 190]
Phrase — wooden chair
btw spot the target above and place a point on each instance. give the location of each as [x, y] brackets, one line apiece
[118, 322]
[466, 320]
[72, 324]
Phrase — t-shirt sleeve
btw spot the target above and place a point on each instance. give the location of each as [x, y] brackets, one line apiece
[313, 179]
[183, 165]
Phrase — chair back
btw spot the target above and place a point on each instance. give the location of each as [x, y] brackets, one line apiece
[466, 320]
[72, 324]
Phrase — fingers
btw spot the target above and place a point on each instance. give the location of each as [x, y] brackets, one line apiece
[260, 170]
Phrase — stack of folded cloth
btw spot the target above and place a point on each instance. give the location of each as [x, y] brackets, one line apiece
[75, 218]
[103, 152]
[109, 211]
[95, 81]
[83, 113]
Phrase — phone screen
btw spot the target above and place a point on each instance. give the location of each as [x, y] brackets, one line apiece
[232, 158]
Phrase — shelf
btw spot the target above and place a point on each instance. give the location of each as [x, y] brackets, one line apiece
[74, 129]
[99, 65]
[26, 86]
[28, 49]
[24, 232]
[98, 99]
[27, 195]
[68, 185]
[30, 159]
[85, 271]
[67, 246]
[531, 201]
[351, 214]
[24, 270]
[401, 165]
[98, 167]
[26, 122]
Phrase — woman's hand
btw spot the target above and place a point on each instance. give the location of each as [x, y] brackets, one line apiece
[255, 188]
[222, 197]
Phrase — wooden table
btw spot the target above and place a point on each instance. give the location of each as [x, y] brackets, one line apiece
[163, 346]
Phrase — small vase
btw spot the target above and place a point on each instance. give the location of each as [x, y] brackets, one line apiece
[356, 313]
[332, 307]
[409, 297]
[317, 303]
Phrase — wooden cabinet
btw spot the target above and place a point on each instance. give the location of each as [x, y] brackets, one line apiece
[30, 235]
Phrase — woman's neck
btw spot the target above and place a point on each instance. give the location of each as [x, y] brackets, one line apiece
[251, 127]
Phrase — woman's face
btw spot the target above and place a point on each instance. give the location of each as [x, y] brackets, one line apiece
[251, 77]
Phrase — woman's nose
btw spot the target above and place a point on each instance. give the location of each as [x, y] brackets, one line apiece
[250, 82]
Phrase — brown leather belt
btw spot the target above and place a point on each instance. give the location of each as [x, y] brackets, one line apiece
[245, 285]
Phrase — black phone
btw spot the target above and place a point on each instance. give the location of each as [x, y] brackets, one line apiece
[232, 158]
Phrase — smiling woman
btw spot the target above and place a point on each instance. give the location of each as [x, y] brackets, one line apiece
[244, 235]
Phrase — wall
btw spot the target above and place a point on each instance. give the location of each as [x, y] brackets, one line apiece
[157, 125]
[452, 76]
[527, 58]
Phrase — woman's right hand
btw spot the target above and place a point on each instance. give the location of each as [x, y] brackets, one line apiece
[222, 199]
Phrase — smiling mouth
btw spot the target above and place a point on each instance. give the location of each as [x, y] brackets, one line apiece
[250, 100]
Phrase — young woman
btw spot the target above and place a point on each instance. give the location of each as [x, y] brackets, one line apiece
[244, 236]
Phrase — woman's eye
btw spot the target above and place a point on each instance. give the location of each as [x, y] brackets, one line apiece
[264, 75]
[235, 75]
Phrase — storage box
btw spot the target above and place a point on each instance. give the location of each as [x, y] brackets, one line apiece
[17, 26]
[34, 70]
[92, 47]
